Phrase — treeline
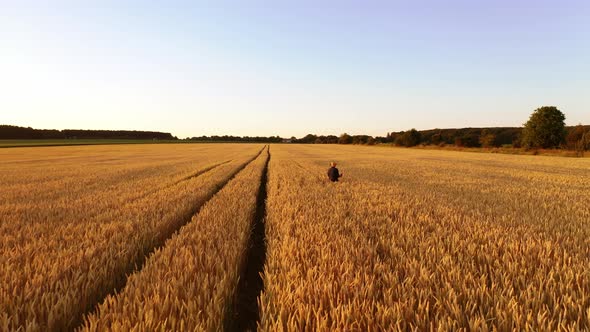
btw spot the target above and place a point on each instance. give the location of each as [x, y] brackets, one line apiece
[342, 139]
[545, 129]
[16, 132]
[467, 137]
[230, 138]
[460, 137]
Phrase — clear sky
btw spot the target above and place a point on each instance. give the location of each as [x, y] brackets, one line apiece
[291, 68]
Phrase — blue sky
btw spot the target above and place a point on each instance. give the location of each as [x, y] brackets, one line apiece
[291, 68]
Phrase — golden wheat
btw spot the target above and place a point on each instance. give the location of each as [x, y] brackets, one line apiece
[190, 284]
[426, 240]
[56, 265]
[408, 240]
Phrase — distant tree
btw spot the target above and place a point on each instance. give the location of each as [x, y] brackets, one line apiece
[414, 137]
[371, 141]
[390, 138]
[360, 139]
[487, 139]
[408, 138]
[585, 141]
[393, 138]
[517, 140]
[436, 139]
[575, 136]
[332, 139]
[345, 139]
[308, 139]
[578, 139]
[544, 129]
[380, 139]
[507, 136]
[398, 138]
[470, 137]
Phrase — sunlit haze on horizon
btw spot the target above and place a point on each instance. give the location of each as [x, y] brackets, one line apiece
[291, 68]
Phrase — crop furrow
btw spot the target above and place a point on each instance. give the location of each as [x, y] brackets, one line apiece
[50, 281]
[190, 283]
[246, 312]
[138, 263]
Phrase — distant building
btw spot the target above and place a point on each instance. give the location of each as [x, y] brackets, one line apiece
[287, 140]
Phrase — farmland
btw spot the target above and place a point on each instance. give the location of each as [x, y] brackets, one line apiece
[79, 219]
[157, 237]
[417, 240]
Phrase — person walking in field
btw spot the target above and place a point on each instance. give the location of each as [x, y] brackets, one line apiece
[333, 173]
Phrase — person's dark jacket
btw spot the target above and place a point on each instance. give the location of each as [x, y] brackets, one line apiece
[333, 174]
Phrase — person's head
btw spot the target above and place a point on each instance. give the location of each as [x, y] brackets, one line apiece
[333, 164]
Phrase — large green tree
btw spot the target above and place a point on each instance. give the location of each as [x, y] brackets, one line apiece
[545, 128]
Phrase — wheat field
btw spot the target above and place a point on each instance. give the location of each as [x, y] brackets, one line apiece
[76, 220]
[426, 240]
[189, 284]
[155, 237]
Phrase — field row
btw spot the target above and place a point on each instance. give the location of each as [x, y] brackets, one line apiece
[190, 284]
[407, 240]
[426, 241]
[64, 254]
